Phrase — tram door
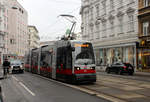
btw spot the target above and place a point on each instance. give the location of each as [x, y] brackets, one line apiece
[53, 62]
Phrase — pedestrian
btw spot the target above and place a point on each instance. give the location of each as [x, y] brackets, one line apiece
[6, 66]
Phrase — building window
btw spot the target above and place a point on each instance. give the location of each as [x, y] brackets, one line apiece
[145, 28]
[111, 29]
[104, 6]
[131, 22]
[121, 24]
[92, 35]
[97, 31]
[146, 3]
[91, 13]
[103, 29]
[111, 4]
[97, 10]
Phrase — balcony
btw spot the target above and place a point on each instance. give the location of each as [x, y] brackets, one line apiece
[144, 11]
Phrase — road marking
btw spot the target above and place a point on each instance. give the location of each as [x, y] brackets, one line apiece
[33, 94]
[15, 78]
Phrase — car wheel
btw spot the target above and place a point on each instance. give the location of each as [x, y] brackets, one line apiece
[108, 70]
[130, 73]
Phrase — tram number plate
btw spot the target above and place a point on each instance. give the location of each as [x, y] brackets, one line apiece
[85, 70]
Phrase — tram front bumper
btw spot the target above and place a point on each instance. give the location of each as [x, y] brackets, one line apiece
[85, 77]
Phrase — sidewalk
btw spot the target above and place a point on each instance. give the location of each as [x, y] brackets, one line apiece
[137, 73]
[1, 72]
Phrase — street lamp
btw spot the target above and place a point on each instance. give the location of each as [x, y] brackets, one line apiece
[72, 20]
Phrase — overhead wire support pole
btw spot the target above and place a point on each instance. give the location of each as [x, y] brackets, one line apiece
[71, 29]
[72, 21]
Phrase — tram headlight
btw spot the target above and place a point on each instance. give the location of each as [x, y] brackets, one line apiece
[11, 67]
[77, 68]
[92, 68]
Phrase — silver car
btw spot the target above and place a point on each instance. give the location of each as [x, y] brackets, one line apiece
[16, 66]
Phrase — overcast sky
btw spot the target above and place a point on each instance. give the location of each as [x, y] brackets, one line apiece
[44, 15]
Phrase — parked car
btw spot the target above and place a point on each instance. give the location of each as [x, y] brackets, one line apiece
[16, 66]
[120, 68]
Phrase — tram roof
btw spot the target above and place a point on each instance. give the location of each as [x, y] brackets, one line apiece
[79, 41]
[75, 40]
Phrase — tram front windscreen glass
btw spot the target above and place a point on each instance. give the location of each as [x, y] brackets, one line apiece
[84, 53]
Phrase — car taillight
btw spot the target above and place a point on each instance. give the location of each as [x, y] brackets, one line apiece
[124, 66]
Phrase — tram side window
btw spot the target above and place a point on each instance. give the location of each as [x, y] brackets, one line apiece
[43, 62]
[61, 57]
[64, 50]
[68, 59]
[58, 58]
[48, 59]
[36, 59]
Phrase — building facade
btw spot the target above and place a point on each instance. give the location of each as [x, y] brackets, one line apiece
[3, 27]
[43, 43]
[144, 34]
[112, 26]
[33, 37]
[16, 39]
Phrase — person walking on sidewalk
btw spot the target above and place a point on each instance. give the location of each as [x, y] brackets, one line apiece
[6, 66]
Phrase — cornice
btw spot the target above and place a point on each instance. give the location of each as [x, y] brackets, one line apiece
[130, 10]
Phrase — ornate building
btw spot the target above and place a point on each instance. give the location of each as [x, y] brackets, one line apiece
[144, 34]
[112, 26]
[33, 38]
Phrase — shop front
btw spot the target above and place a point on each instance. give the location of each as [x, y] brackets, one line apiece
[119, 53]
[144, 59]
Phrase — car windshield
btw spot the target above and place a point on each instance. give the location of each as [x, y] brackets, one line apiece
[16, 62]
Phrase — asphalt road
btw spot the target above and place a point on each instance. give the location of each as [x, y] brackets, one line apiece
[127, 88]
[32, 88]
[140, 77]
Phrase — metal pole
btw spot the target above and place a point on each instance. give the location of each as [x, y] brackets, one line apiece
[71, 29]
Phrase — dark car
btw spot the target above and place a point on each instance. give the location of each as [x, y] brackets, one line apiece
[120, 68]
[16, 66]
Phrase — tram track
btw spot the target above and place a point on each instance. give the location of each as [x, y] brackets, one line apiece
[111, 95]
[134, 77]
[108, 95]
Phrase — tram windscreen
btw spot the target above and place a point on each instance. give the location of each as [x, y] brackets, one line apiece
[84, 53]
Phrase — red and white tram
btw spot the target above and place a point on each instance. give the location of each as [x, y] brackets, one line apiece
[71, 61]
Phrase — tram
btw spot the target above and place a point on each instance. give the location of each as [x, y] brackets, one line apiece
[66, 60]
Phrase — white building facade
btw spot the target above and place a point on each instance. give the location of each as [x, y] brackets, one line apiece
[3, 27]
[16, 39]
[112, 26]
[33, 37]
